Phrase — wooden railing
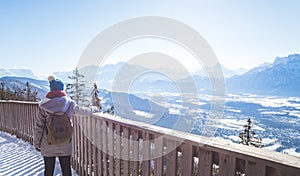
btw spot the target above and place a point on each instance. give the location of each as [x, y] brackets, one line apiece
[109, 145]
[18, 117]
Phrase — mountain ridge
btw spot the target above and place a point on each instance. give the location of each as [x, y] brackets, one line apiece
[282, 77]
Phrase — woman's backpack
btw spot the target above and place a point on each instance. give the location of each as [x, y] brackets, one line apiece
[59, 129]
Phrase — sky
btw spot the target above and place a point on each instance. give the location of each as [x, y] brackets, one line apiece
[50, 36]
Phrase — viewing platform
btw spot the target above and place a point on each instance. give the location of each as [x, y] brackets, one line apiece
[110, 145]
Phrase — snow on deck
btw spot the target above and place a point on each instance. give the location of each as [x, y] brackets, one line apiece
[20, 158]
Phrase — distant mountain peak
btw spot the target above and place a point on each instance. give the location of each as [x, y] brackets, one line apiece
[265, 64]
[17, 72]
[285, 60]
[282, 77]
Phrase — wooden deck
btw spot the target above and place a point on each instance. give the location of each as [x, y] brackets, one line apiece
[109, 145]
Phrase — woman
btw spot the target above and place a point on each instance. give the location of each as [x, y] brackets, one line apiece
[56, 102]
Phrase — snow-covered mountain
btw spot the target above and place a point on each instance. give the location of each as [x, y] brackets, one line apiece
[282, 77]
[41, 86]
[226, 72]
[17, 72]
[106, 75]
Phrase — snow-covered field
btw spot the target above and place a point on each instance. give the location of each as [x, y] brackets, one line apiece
[20, 158]
[275, 119]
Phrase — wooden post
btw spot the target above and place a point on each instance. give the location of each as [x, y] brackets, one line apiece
[85, 146]
[158, 161]
[89, 141]
[227, 165]
[205, 162]
[171, 157]
[273, 171]
[118, 150]
[104, 147]
[94, 146]
[125, 151]
[253, 168]
[99, 136]
[74, 140]
[81, 170]
[146, 154]
[110, 147]
[187, 159]
[135, 152]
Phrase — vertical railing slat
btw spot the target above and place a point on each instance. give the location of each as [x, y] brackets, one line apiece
[171, 158]
[110, 147]
[135, 153]
[205, 162]
[99, 136]
[104, 147]
[89, 144]
[146, 154]
[125, 151]
[118, 150]
[94, 147]
[85, 141]
[158, 161]
[75, 143]
[227, 165]
[186, 159]
[254, 168]
[81, 171]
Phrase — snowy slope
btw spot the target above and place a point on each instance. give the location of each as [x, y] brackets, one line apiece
[18, 158]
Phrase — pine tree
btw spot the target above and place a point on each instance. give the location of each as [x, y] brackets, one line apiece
[34, 96]
[8, 94]
[18, 94]
[95, 97]
[2, 91]
[28, 92]
[76, 89]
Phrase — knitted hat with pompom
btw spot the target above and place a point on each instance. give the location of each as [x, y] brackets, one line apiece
[55, 84]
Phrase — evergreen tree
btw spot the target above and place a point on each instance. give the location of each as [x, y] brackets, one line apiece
[2, 91]
[13, 94]
[8, 94]
[95, 97]
[30, 95]
[28, 91]
[5, 93]
[76, 89]
[19, 94]
[34, 96]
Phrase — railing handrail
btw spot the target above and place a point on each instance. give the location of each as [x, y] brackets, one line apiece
[20, 102]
